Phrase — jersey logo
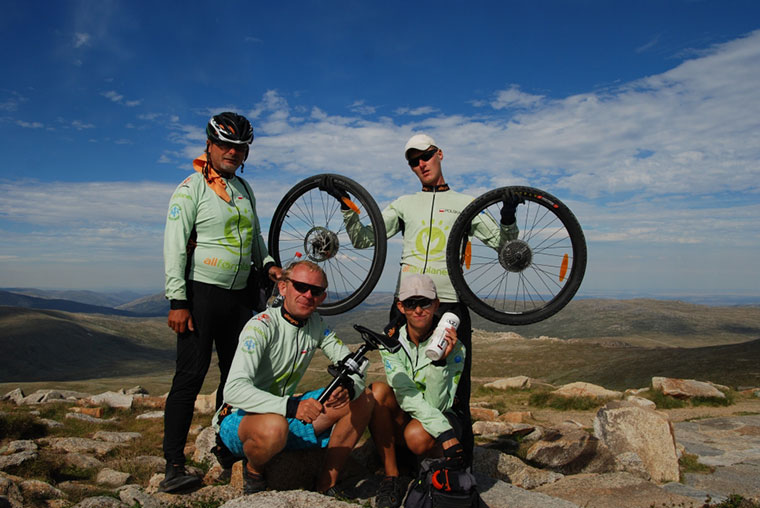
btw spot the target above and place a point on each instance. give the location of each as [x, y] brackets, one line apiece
[237, 229]
[431, 241]
[174, 212]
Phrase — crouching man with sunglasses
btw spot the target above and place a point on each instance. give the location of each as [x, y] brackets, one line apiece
[416, 408]
[261, 415]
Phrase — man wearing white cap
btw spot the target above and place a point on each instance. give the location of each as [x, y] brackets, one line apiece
[425, 220]
[415, 408]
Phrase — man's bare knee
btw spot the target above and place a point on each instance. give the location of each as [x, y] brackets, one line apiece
[383, 394]
[268, 430]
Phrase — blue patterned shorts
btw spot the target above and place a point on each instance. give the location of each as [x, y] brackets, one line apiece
[301, 435]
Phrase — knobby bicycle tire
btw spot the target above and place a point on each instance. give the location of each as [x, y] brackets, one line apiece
[526, 279]
[308, 220]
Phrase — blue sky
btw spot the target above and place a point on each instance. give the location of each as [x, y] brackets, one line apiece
[644, 117]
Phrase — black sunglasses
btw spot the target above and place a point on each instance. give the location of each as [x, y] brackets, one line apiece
[413, 303]
[424, 156]
[303, 287]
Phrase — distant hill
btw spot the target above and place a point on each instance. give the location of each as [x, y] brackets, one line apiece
[616, 341]
[41, 345]
[32, 302]
[101, 299]
[151, 305]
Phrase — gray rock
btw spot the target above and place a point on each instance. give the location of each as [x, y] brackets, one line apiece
[82, 461]
[35, 489]
[51, 423]
[113, 399]
[24, 445]
[82, 445]
[286, 499]
[154, 463]
[624, 427]
[501, 466]
[151, 415]
[88, 418]
[641, 402]
[581, 389]
[116, 437]
[203, 443]
[567, 450]
[498, 494]
[685, 388]
[134, 494]
[696, 494]
[100, 502]
[521, 382]
[43, 396]
[111, 478]
[490, 428]
[15, 396]
[742, 479]
[16, 459]
[614, 489]
[10, 490]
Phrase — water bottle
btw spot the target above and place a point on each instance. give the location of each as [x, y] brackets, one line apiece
[276, 299]
[437, 344]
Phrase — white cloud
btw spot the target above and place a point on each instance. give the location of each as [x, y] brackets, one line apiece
[81, 39]
[118, 98]
[420, 111]
[361, 108]
[514, 98]
[30, 125]
[79, 125]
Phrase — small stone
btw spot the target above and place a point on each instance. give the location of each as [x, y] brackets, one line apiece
[152, 415]
[113, 399]
[116, 437]
[25, 445]
[35, 489]
[112, 478]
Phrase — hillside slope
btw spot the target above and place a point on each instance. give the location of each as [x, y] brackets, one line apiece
[40, 345]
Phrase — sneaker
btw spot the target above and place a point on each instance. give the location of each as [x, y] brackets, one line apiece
[177, 479]
[253, 482]
[391, 493]
[337, 493]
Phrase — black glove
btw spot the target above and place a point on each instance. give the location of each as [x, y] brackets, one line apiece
[454, 456]
[327, 184]
[509, 206]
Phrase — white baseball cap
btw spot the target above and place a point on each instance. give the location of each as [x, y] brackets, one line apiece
[419, 142]
[417, 285]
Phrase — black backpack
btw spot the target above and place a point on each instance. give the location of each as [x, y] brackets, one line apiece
[439, 487]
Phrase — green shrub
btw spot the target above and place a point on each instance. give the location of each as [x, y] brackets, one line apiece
[689, 464]
[663, 401]
[21, 426]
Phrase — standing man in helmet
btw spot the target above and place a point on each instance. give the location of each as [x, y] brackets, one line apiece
[212, 237]
[425, 220]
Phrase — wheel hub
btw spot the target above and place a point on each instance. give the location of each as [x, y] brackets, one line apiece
[320, 244]
[515, 256]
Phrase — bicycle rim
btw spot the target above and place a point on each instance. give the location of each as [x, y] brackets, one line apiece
[527, 279]
[309, 221]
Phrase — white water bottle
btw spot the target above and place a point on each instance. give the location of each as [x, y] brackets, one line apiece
[438, 343]
[276, 299]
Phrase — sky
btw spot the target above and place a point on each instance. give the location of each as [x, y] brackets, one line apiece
[643, 117]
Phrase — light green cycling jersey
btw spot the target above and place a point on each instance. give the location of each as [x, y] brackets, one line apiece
[272, 356]
[422, 389]
[228, 236]
[426, 218]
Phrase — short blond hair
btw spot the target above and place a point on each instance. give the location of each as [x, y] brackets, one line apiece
[313, 267]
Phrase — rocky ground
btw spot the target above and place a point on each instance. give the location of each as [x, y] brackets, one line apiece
[68, 449]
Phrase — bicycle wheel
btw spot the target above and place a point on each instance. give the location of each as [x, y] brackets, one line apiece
[309, 221]
[522, 280]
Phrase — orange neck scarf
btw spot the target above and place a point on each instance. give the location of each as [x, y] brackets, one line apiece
[213, 179]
